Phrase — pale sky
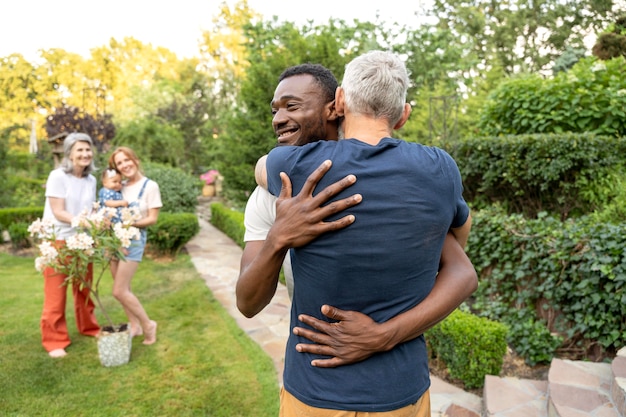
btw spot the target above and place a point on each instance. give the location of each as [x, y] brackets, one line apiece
[80, 25]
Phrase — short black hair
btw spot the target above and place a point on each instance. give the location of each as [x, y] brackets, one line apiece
[323, 77]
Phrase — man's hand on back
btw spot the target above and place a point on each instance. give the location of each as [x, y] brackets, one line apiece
[300, 219]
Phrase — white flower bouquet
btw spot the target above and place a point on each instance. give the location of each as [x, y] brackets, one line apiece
[98, 241]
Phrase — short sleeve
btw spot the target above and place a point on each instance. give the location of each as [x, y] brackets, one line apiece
[153, 195]
[56, 184]
[259, 215]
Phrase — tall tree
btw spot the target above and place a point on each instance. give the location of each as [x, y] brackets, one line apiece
[68, 119]
[127, 65]
[522, 35]
[20, 89]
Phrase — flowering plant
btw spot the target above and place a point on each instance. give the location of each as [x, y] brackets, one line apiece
[98, 240]
[210, 176]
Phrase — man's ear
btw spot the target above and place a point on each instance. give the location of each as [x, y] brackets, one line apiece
[406, 112]
[331, 111]
[340, 102]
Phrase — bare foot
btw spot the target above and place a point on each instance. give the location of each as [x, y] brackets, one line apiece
[150, 336]
[135, 330]
[57, 353]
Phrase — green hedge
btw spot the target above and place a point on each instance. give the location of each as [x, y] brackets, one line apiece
[10, 216]
[554, 283]
[568, 174]
[20, 238]
[470, 346]
[229, 221]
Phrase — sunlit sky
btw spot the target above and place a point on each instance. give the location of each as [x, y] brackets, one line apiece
[80, 25]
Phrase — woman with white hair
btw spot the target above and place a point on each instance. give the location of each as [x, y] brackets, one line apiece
[70, 189]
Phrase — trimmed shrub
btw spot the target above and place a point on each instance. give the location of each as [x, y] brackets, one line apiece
[172, 231]
[179, 190]
[470, 346]
[19, 235]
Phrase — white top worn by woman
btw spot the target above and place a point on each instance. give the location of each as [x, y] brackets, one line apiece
[79, 195]
[151, 197]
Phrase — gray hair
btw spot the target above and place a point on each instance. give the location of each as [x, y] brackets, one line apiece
[376, 84]
[68, 144]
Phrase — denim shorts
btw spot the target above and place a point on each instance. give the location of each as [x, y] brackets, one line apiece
[136, 248]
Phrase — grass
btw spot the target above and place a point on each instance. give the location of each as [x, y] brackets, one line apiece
[203, 364]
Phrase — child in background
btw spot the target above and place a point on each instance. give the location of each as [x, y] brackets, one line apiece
[110, 194]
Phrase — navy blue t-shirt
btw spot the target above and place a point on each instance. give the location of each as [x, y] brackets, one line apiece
[383, 264]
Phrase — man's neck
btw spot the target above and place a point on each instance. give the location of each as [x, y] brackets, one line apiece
[366, 129]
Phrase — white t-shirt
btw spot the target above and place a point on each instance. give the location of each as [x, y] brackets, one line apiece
[151, 197]
[258, 218]
[79, 194]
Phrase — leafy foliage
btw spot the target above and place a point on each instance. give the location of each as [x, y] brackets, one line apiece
[179, 190]
[172, 231]
[520, 35]
[568, 59]
[24, 178]
[612, 43]
[566, 174]
[27, 192]
[176, 124]
[549, 279]
[589, 98]
[154, 141]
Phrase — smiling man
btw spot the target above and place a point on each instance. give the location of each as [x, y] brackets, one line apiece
[304, 109]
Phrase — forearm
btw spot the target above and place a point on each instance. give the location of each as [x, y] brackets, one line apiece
[149, 220]
[433, 309]
[57, 205]
[258, 276]
[115, 203]
[462, 233]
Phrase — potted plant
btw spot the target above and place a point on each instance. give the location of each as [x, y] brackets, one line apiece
[209, 179]
[97, 241]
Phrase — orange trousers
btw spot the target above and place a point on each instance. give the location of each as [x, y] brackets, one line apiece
[290, 406]
[53, 325]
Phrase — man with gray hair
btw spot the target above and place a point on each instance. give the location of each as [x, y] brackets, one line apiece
[412, 197]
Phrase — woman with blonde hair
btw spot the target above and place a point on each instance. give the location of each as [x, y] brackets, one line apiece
[143, 193]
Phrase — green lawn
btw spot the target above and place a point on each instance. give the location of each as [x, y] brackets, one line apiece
[201, 365]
